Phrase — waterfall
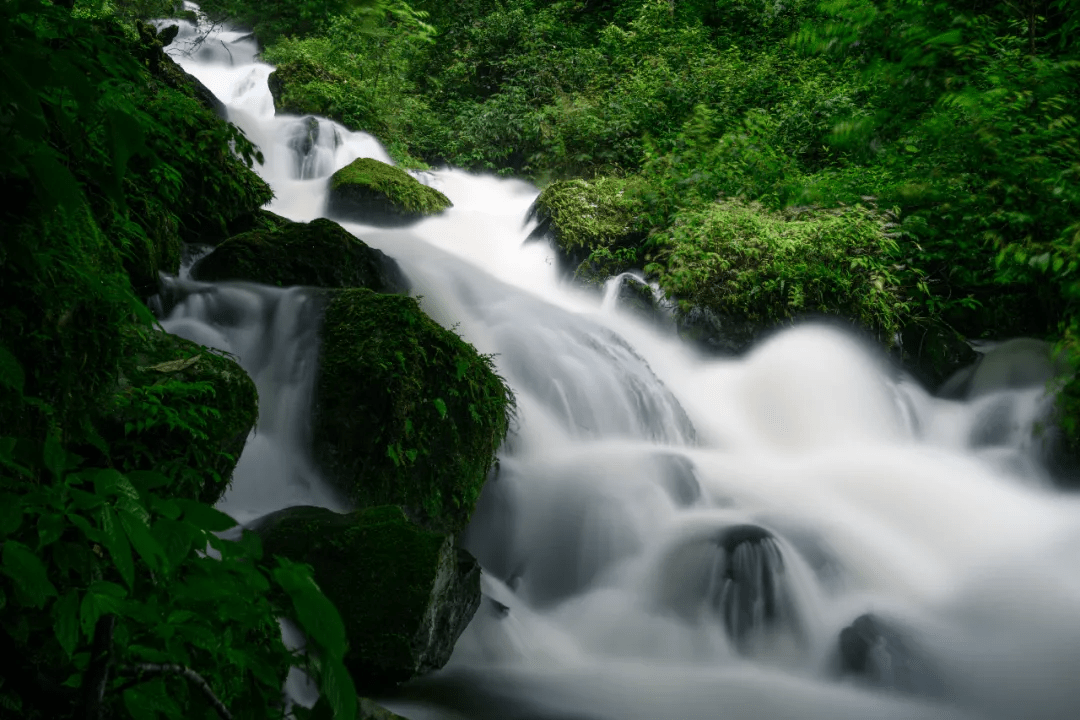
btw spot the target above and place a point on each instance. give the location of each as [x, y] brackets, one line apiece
[802, 532]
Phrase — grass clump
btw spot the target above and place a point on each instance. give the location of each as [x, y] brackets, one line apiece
[740, 259]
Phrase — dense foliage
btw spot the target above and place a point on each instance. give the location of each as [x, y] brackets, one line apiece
[959, 116]
[117, 594]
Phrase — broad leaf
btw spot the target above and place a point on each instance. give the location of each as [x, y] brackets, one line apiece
[116, 543]
[28, 572]
[65, 615]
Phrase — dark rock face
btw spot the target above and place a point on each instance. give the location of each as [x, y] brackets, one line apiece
[880, 655]
[746, 588]
[404, 593]
[375, 193]
[320, 254]
[714, 333]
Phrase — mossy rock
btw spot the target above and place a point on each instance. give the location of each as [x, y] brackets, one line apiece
[405, 593]
[181, 409]
[738, 269]
[584, 218]
[406, 412]
[375, 193]
[320, 253]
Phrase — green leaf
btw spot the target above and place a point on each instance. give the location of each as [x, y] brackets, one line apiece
[112, 482]
[102, 598]
[65, 614]
[92, 533]
[28, 572]
[50, 527]
[338, 688]
[317, 616]
[116, 542]
[11, 511]
[11, 372]
[55, 456]
[204, 516]
[138, 532]
[175, 539]
[440, 405]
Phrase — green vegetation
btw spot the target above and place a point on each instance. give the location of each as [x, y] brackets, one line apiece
[402, 590]
[320, 254]
[407, 413]
[958, 118]
[741, 260]
[371, 191]
[113, 431]
[181, 408]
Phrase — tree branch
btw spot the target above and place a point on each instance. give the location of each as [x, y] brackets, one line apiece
[97, 674]
[145, 671]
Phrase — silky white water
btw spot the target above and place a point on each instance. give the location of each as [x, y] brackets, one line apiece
[671, 536]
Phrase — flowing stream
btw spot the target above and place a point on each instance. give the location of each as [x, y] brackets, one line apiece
[803, 532]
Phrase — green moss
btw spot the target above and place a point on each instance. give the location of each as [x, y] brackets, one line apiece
[407, 413]
[181, 409]
[588, 214]
[372, 190]
[383, 573]
[742, 261]
[320, 253]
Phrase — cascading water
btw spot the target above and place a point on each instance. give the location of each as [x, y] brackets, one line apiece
[799, 533]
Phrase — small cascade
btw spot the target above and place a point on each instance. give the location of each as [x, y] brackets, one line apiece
[274, 335]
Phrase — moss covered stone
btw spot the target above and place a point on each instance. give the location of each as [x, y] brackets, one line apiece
[373, 192]
[738, 269]
[588, 222]
[405, 593]
[181, 409]
[320, 253]
[406, 412]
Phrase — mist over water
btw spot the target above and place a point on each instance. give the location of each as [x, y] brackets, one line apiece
[803, 532]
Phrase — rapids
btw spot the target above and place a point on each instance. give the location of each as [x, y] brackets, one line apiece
[803, 532]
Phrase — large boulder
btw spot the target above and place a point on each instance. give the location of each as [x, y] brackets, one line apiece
[375, 193]
[181, 409]
[405, 593]
[320, 253]
[406, 412]
[594, 226]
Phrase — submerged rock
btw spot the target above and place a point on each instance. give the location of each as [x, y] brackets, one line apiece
[747, 585]
[880, 655]
[405, 593]
[204, 407]
[375, 193]
[320, 253]
[406, 412]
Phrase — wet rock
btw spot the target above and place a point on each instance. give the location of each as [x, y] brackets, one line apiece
[375, 193]
[747, 585]
[637, 297]
[319, 254]
[879, 654]
[406, 412]
[715, 333]
[404, 593]
[306, 137]
[934, 353]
